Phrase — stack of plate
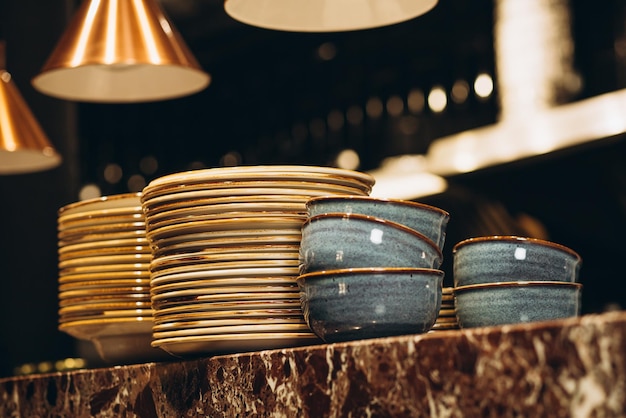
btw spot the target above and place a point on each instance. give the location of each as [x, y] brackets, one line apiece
[225, 254]
[104, 277]
[447, 314]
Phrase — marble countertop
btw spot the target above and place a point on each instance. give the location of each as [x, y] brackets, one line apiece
[568, 368]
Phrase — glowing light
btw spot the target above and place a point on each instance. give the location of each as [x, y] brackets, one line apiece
[327, 51]
[335, 120]
[374, 107]
[148, 165]
[317, 127]
[136, 183]
[348, 159]
[437, 99]
[460, 91]
[113, 173]
[354, 115]
[230, 159]
[416, 101]
[395, 106]
[483, 85]
[89, 191]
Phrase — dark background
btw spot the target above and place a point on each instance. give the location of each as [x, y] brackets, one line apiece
[269, 88]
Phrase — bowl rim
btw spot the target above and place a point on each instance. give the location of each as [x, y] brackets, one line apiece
[410, 203]
[515, 239]
[370, 270]
[525, 283]
[368, 218]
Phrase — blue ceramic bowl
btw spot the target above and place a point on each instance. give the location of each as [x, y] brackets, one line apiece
[338, 241]
[493, 259]
[427, 220]
[345, 305]
[503, 303]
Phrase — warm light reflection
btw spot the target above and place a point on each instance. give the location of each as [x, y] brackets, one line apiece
[374, 107]
[327, 51]
[416, 101]
[144, 22]
[395, 106]
[460, 91]
[437, 99]
[148, 165]
[348, 159]
[136, 183]
[376, 236]
[89, 191]
[335, 120]
[354, 115]
[83, 36]
[113, 173]
[483, 85]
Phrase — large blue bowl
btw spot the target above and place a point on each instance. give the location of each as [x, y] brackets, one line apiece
[503, 303]
[425, 219]
[339, 241]
[491, 259]
[345, 305]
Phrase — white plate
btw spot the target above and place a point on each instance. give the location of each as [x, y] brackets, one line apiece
[187, 301]
[153, 204]
[102, 285]
[152, 226]
[239, 272]
[124, 200]
[232, 343]
[90, 328]
[229, 210]
[233, 329]
[226, 322]
[105, 259]
[258, 223]
[234, 305]
[265, 290]
[239, 238]
[113, 246]
[299, 172]
[201, 258]
[228, 267]
[103, 268]
[68, 225]
[105, 275]
[286, 281]
[238, 314]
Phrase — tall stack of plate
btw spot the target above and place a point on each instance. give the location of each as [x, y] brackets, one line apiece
[447, 314]
[104, 276]
[225, 247]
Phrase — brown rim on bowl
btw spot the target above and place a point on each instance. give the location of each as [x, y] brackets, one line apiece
[379, 199]
[515, 238]
[373, 270]
[525, 283]
[376, 220]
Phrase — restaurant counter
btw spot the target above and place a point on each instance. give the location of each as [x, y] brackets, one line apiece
[574, 367]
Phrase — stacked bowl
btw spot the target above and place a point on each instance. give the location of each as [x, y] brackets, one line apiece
[369, 267]
[225, 245]
[104, 278]
[510, 279]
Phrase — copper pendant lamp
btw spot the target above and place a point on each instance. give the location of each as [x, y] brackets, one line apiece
[325, 15]
[121, 51]
[24, 147]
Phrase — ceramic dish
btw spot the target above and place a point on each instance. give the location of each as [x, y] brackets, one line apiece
[112, 246]
[235, 272]
[225, 266]
[108, 275]
[104, 291]
[94, 239]
[262, 290]
[186, 301]
[237, 282]
[256, 172]
[104, 268]
[102, 285]
[105, 260]
[125, 200]
[227, 322]
[225, 239]
[229, 306]
[99, 221]
[232, 329]
[196, 345]
[118, 314]
[251, 315]
[199, 259]
[96, 215]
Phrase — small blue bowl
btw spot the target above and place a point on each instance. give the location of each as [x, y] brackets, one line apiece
[490, 304]
[492, 259]
[427, 220]
[339, 241]
[346, 305]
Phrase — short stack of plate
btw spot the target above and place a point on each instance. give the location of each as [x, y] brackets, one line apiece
[104, 277]
[225, 255]
[447, 314]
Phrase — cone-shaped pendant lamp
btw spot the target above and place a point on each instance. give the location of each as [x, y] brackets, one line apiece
[325, 15]
[121, 51]
[24, 147]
